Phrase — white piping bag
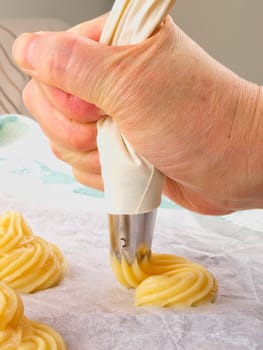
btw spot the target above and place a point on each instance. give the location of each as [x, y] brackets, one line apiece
[132, 185]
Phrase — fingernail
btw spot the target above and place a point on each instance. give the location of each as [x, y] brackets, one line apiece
[23, 50]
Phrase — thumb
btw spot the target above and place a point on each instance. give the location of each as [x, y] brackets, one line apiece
[71, 62]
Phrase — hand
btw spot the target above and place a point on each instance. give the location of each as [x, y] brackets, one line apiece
[195, 120]
[68, 121]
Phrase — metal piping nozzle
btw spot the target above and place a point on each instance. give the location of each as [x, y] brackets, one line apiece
[131, 235]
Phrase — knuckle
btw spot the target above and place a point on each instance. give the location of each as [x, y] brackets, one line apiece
[84, 178]
[88, 179]
[93, 163]
[58, 56]
[57, 152]
[83, 137]
[27, 93]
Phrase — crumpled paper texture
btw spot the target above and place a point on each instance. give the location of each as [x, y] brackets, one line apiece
[90, 309]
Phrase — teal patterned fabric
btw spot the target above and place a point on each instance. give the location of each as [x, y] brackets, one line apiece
[20, 139]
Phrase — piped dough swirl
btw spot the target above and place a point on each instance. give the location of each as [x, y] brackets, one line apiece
[166, 280]
[18, 332]
[28, 263]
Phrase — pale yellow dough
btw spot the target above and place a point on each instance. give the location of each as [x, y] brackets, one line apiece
[28, 263]
[19, 333]
[166, 280]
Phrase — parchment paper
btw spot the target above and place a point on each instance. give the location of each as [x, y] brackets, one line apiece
[90, 309]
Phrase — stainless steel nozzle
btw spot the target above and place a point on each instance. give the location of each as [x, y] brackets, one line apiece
[131, 235]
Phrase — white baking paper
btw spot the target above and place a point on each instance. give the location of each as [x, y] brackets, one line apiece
[89, 308]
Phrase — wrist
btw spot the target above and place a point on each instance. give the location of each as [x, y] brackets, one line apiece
[247, 131]
[255, 162]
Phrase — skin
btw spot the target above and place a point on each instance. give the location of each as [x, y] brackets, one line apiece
[195, 120]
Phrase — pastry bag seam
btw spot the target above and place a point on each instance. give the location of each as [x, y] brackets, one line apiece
[145, 191]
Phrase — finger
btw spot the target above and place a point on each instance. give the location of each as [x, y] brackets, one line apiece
[89, 179]
[58, 58]
[93, 71]
[70, 106]
[56, 126]
[91, 29]
[84, 161]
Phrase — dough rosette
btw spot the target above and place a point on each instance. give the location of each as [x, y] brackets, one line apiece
[166, 280]
[28, 263]
[19, 333]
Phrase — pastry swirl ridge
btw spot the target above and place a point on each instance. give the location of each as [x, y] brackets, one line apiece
[166, 280]
[18, 332]
[28, 263]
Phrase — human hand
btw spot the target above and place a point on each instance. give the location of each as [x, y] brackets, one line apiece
[68, 121]
[179, 108]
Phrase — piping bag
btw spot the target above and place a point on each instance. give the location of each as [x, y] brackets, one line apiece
[132, 185]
